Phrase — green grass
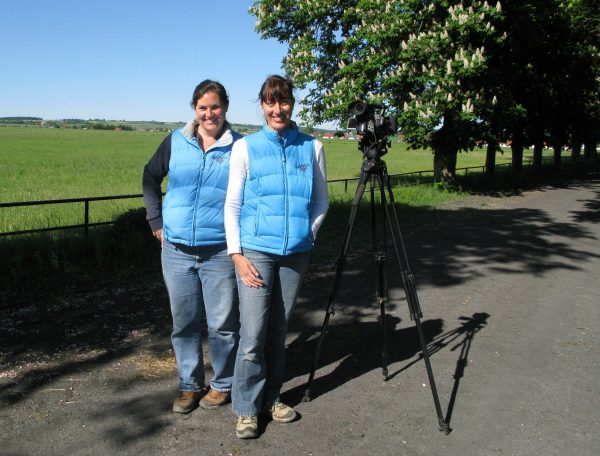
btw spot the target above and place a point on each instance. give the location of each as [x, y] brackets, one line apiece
[344, 159]
[46, 163]
[42, 163]
[59, 163]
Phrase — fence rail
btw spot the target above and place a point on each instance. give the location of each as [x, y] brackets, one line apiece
[414, 176]
[86, 212]
[406, 177]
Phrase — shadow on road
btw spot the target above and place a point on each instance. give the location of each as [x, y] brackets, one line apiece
[591, 212]
[356, 349]
[445, 247]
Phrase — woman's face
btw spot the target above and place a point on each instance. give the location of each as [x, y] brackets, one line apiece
[278, 114]
[210, 113]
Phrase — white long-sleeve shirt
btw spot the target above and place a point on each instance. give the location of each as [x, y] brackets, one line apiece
[238, 172]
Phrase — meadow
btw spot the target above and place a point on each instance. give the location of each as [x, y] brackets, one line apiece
[52, 163]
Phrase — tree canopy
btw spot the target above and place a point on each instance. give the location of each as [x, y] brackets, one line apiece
[455, 73]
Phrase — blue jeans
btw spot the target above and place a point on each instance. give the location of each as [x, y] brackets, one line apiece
[197, 276]
[264, 315]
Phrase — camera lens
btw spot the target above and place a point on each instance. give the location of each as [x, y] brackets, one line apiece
[357, 108]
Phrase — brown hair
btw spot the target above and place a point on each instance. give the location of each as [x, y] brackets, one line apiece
[277, 88]
[209, 85]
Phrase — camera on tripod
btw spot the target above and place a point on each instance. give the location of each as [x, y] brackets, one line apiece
[371, 123]
[373, 126]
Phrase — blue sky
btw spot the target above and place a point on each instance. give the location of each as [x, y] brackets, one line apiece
[129, 59]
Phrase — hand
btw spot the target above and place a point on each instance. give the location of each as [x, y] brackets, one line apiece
[158, 235]
[248, 273]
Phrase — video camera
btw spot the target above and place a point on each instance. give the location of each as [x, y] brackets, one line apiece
[373, 126]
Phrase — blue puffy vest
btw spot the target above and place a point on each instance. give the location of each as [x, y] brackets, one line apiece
[275, 216]
[196, 189]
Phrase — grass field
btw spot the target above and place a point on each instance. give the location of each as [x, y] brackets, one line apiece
[41, 164]
[46, 163]
[52, 164]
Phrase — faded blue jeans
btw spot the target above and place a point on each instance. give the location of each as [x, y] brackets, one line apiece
[264, 315]
[197, 277]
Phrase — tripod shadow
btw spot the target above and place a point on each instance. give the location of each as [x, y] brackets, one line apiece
[356, 347]
[463, 336]
[467, 331]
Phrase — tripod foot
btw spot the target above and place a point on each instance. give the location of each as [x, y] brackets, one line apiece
[384, 372]
[306, 397]
[444, 427]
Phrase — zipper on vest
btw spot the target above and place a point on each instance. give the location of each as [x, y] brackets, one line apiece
[285, 197]
[198, 189]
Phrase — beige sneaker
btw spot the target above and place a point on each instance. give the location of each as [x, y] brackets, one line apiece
[187, 401]
[214, 399]
[246, 427]
[282, 413]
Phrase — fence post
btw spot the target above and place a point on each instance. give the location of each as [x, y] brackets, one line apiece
[87, 217]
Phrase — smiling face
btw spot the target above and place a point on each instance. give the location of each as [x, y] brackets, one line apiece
[277, 102]
[278, 114]
[210, 113]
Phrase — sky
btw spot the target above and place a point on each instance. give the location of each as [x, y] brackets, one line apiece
[130, 59]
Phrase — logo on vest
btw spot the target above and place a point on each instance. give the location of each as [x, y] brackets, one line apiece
[219, 160]
[302, 167]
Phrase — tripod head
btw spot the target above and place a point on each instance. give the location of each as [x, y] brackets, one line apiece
[373, 127]
[374, 165]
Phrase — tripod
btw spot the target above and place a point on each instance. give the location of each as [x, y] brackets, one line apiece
[375, 171]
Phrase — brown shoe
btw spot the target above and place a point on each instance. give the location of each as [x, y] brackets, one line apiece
[187, 401]
[214, 399]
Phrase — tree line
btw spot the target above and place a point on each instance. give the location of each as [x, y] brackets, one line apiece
[456, 74]
[19, 120]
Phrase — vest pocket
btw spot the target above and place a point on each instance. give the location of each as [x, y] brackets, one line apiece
[257, 219]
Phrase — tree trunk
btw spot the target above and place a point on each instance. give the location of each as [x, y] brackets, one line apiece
[517, 153]
[517, 158]
[557, 151]
[538, 149]
[445, 149]
[575, 151]
[444, 165]
[589, 150]
[490, 157]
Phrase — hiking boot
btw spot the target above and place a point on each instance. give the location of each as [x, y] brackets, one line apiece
[282, 413]
[246, 427]
[214, 399]
[187, 401]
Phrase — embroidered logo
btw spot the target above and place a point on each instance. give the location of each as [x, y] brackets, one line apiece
[219, 160]
[302, 167]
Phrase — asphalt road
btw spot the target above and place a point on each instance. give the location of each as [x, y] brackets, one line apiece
[509, 288]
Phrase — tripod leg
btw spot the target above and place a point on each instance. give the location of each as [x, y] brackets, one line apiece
[339, 267]
[410, 289]
[381, 283]
[442, 424]
[381, 300]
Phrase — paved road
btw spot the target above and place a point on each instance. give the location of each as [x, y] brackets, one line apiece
[510, 296]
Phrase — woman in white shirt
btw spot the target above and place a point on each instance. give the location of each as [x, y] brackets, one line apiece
[276, 201]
